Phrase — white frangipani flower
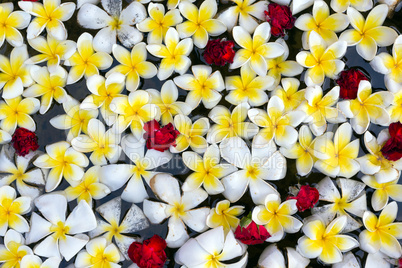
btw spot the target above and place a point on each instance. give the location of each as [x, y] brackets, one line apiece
[262, 163]
[99, 253]
[114, 21]
[225, 215]
[179, 208]
[272, 257]
[342, 5]
[33, 261]
[191, 134]
[289, 93]
[62, 236]
[13, 250]
[212, 249]
[382, 191]
[10, 23]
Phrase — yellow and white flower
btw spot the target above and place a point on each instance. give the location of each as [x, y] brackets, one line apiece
[10, 23]
[85, 61]
[322, 60]
[174, 54]
[395, 109]
[63, 161]
[207, 170]
[191, 134]
[322, 23]
[99, 253]
[272, 254]
[369, 33]
[48, 86]
[325, 242]
[5, 137]
[200, 22]
[203, 85]
[289, 93]
[276, 123]
[367, 107]
[33, 261]
[342, 5]
[89, 188]
[390, 66]
[255, 51]
[277, 217]
[14, 73]
[248, 87]
[381, 233]
[383, 191]
[179, 208]
[166, 100]
[246, 13]
[224, 215]
[229, 124]
[15, 112]
[133, 65]
[51, 50]
[12, 209]
[159, 22]
[113, 21]
[13, 250]
[49, 15]
[58, 232]
[103, 144]
[172, 4]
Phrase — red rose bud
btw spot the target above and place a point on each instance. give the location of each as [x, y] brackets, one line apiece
[158, 138]
[219, 52]
[24, 140]
[392, 149]
[280, 18]
[306, 198]
[348, 82]
[149, 254]
[249, 233]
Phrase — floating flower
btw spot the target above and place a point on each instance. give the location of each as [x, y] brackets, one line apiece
[245, 13]
[89, 188]
[230, 125]
[219, 52]
[10, 23]
[85, 61]
[149, 253]
[391, 149]
[289, 93]
[114, 21]
[191, 134]
[262, 163]
[99, 253]
[224, 215]
[33, 261]
[277, 124]
[352, 200]
[48, 86]
[57, 230]
[348, 82]
[24, 141]
[361, 5]
[322, 23]
[203, 85]
[178, 208]
[306, 198]
[325, 242]
[172, 4]
[63, 161]
[159, 22]
[280, 18]
[207, 170]
[369, 33]
[166, 100]
[16, 112]
[5, 137]
[174, 54]
[250, 233]
[254, 51]
[160, 138]
[395, 109]
[15, 75]
[12, 209]
[200, 22]
[322, 60]
[337, 157]
[14, 249]
[272, 254]
[133, 65]
[277, 217]
[212, 249]
[248, 87]
[49, 15]
[381, 233]
[383, 191]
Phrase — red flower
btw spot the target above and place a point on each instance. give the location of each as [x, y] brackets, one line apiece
[280, 18]
[306, 198]
[249, 233]
[392, 149]
[159, 138]
[219, 52]
[150, 254]
[400, 263]
[349, 83]
[24, 140]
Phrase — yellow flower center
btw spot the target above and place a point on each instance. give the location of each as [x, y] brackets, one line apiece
[252, 171]
[178, 210]
[116, 23]
[60, 230]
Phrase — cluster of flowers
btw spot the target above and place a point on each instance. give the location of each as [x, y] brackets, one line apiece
[120, 134]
